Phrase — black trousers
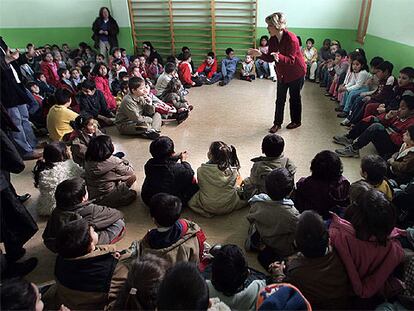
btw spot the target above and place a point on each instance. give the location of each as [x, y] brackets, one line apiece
[295, 101]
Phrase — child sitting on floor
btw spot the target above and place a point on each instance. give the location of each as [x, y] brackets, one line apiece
[168, 172]
[173, 95]
[248, 70]
[88, 276]
[76, 77]
[228, 280]
[36, 113]
[401, 164]
[46, 89]
[374, 171]
[124, 90]
[207, 68]
[310, 54]
[71, 204]
[272, 147]
[108, 177]
[169, 73]
[49, 69]
[154, 69]
[100, 77]
[185, 72]
[175, 239]
[228, 68]
[273, 218]
[59, 116]
[55, 167]
[85, 129]
[136, 114]
[219, 182]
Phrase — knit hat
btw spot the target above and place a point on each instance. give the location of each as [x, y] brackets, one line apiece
[282, 296]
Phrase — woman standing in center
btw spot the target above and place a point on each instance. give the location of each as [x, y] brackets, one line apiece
[284, 49]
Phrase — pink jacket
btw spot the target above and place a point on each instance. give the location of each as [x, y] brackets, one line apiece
[368, 264]
[102, 84]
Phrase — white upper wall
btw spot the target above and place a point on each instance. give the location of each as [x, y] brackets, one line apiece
[58, 13]
[392, 20]
[342, 14]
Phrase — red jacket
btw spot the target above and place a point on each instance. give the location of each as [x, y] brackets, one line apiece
[50, 72]
[184, 73]
[291, 65]
[369, 265]
[102, 84]
[204, 65]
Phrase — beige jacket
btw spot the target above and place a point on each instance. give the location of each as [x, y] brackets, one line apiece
[137, 110]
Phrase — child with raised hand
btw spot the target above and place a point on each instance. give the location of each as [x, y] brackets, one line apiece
[326, 189]
[108, 177]
[168, 172]
[175, 239]
[55, 167]
[59, 116]
[401, 164]
[272, 147]
[368, 245]
[141, 286]
[273, 218]
[374, 171]
[100, 76]
[88, 276]
[228, 280]
[248, 70]
[228, 68]
[207, 68]
[85, 129]
[72, 203]
[310, 54]
[219, 182]
[136, 114]
[49, 69]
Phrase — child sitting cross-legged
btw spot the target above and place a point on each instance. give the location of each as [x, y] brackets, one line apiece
[374, 171]
[228, 68]
[248, 70]
[272, 147]
[273, 219]
[168, 172]
[108, 177]
[72, 203]
[174, 96]
[401, 164]
[88, 276]
[207, 68]
[169, 73]
[219, 182]
[185, 72]
[136, 114]
[175, 239]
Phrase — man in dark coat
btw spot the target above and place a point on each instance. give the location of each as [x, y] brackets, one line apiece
[105, 30]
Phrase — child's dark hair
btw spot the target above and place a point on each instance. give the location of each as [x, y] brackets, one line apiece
[117, 61]
[114, 50]
[386, 66]
[374, 217]
[85, 70]
[375, 61]
[326, 166]
[70, 192]
[326, 41]
[124, 85]
[186, 56]
[173, 86]
[46, 54]
[17, 294]
[211, 54]
[310, 40]
[229, 50]
[409, 101]
[165, 209]
[410, 131]
[311, 237]
[229, 270]
[185, 49]
[273, 145]
[61, 71]
[38, 74]
[409, 71]
[122, 75]
[183, 288]
[141, 286]
[29, 84]
[300, 40]
[100, 55]
[88, 85]
[362, 53]
[170, 67]
[62, 96]
[362, 60]
[171, 59]
[135, 82]
[149, 44]
[95, 70]
[52, 153]
[162, 147]
[353, 55]
[223, 155]
[356, 192]
[99, 149]
[74, 239]
[81, 122]
[341, 52]
[279, 184]
[375, 167]
[77, 59]
[264, 38]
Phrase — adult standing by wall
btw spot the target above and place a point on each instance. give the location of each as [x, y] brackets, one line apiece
[285, 51]
[105, 31]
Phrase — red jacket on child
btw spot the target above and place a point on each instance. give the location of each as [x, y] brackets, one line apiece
[184, 73]
[50, 72]
[204, 65]
[102, 84]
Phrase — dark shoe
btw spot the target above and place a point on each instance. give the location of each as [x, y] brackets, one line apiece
[151, 134]
[32, 156]
[221, 83]
[214, 250]
[293, 125]
[342, 114]
[339, 109]
[348, 152]
[20, 269]
[23, 198]
[274, 128]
